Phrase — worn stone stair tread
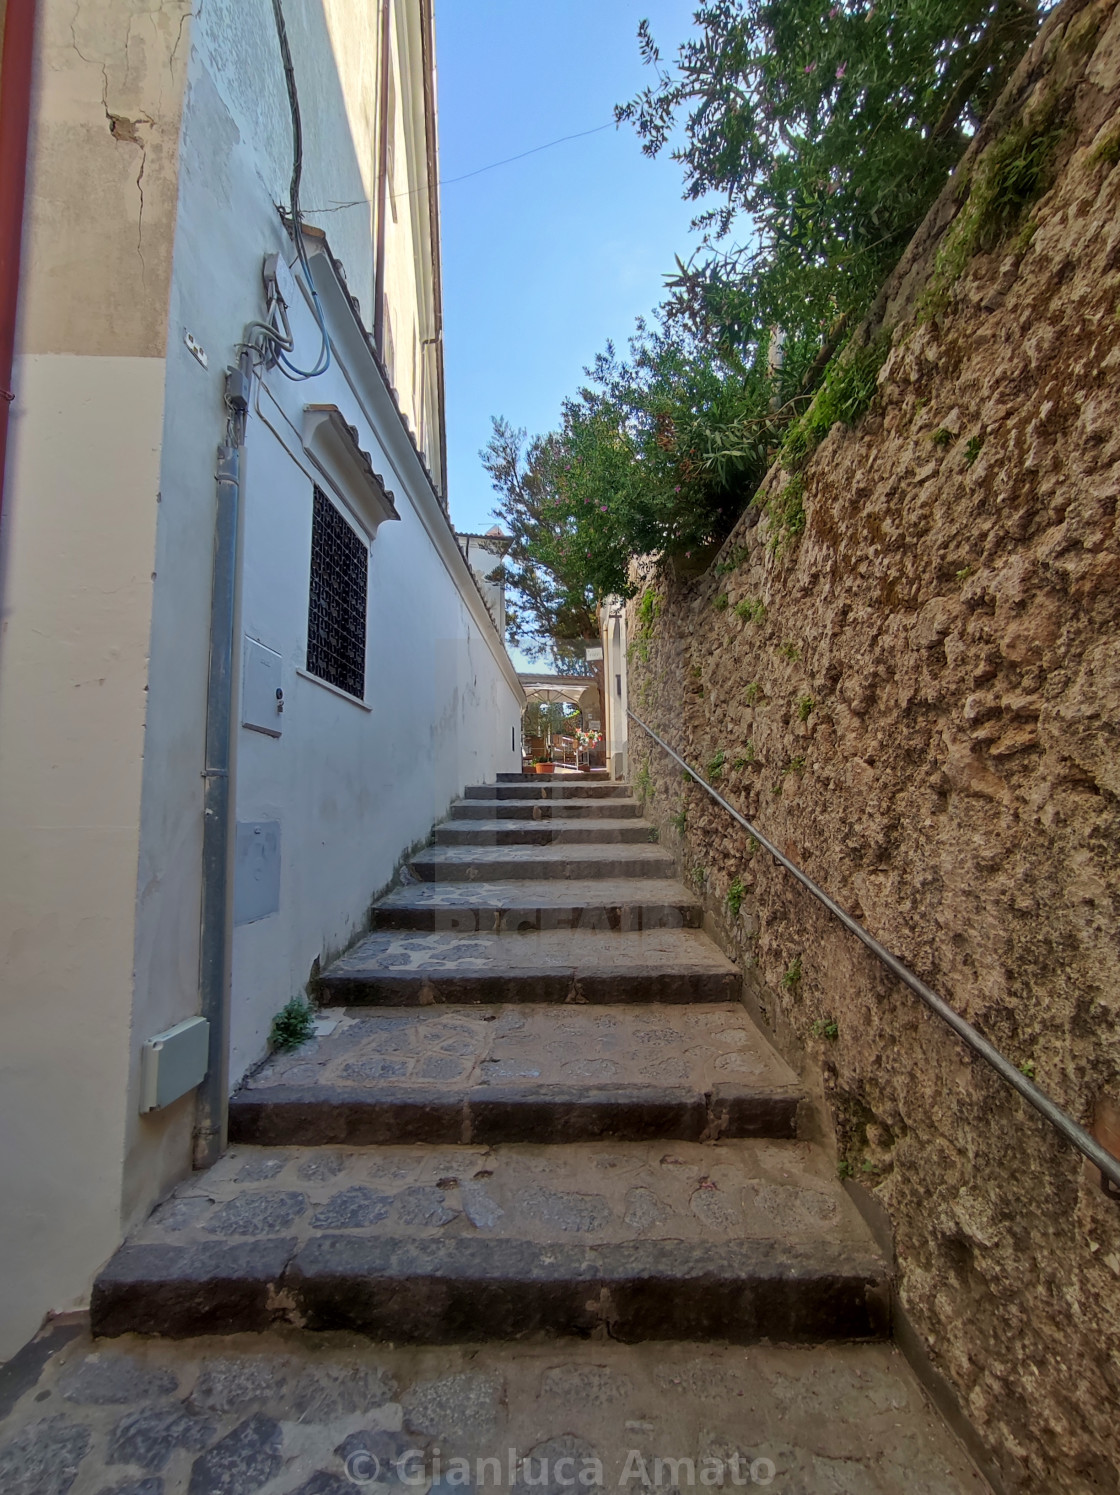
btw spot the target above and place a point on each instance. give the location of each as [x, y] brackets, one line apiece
[547, 786]
[545, 809]
[528, 1073]
[817, 1420]
[602, 830]
[738, 1240]
[623, 904]
[554, 965]
[487, 863]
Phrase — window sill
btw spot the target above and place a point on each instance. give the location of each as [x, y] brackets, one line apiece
[335, 690]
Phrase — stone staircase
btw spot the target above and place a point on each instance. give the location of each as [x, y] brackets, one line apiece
[608, 1146]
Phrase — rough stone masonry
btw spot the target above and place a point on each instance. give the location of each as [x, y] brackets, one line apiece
[918, 698]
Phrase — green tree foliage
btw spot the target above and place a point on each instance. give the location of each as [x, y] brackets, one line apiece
[826, 131]
[832, 129]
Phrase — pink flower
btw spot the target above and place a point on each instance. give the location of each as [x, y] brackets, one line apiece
[841, 70]
[677, 489]
[603, 509]
[810, 67]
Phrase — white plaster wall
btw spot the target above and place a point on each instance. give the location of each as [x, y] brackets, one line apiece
[352, 788]
[79, 538]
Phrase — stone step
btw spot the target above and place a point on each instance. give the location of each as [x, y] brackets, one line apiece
[544, 809]
[405, 968]
[735, 1241]
[220, 1418]
[587, 776]
[603, 832]
[548, 787]
[522, 1074]
[500, 863]
[625, 904]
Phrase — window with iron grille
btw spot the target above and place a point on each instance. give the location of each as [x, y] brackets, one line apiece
[336, 613]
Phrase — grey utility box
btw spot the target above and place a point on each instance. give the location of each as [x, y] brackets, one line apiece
[173, 1063]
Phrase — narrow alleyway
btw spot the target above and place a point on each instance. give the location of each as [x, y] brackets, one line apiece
[541, 1111]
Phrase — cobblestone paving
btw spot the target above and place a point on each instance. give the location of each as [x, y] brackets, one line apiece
[489, 907]
[694, 1045]
[593, 1192]
[328, 1414]
[648, 951]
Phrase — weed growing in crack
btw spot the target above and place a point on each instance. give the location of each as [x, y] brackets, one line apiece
[972, 449]
[825, 1027]
[293, 1024]
[720, 603]
[715, 765]
[805, 706]
[793, 973]
[752, 692]
[735, 895]
[751, 611]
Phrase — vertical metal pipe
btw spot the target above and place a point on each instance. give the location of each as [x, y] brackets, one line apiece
[15, 124]
[382, 185]
[216, 935]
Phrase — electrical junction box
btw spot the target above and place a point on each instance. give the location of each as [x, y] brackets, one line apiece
[256, 870]
[262, 698]
[173, 1063]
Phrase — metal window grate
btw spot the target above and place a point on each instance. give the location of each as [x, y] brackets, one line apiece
[336, 613]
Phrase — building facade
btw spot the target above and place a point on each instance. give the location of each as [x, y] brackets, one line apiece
[366, 680]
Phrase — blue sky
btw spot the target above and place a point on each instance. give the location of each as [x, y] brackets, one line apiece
[546, 258]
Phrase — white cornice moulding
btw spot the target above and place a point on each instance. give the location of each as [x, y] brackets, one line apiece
[332, 444]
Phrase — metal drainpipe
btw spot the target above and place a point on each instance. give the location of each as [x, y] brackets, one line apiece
[15, 123]
[216, 931]
[383, 123]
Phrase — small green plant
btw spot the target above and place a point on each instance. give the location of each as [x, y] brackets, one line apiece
[696, 672]
[964, 573]
[789, 651]
[715, 765]
[720, 603]
[848, 389]
[786, 512]
[1107, 148]
[753, 845]
[751, 611]
[686, 776]
[648, 608]
[825, 1027]
[1028, 1069]
[654, 833]
[679, 820]
[699, 876]
[844, 1168]
[943, 437]
[1014, 172]
[795, 765]
[805, 706]
[747, 755]
[735, 895]
[972, 449]
[793, 973]
[735, 559]
[643, 783]
[752, 692]
[293, 1024]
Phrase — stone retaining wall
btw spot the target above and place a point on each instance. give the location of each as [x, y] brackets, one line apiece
[918, 698]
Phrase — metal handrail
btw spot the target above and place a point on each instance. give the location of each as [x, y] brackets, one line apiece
[1060, 1120]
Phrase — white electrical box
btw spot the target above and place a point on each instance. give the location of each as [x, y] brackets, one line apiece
[262, 696]
[174, 1062]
